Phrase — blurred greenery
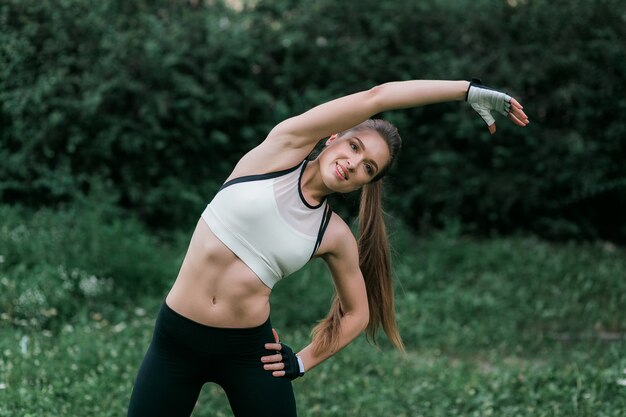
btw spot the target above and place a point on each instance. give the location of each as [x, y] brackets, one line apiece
[119, 120]
[155, 101]
[60, 262]
[510, 326]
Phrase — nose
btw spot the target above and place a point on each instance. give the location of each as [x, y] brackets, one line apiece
[349, 165]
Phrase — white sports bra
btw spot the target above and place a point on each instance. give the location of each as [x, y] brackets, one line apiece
[265, 220]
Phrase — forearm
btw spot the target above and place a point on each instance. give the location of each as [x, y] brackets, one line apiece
[349, 328]
[348, 111]
[413, 93]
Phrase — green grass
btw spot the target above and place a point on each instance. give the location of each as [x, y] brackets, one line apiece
[502, 327]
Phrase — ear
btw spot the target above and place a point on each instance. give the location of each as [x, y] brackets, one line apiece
[331, 139]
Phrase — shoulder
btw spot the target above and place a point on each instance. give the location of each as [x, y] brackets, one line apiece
[269, 156]
[340, 252]
[338, 240]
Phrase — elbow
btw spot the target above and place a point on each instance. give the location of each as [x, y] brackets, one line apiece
[376, 90]
[375, 96]
[358, 320]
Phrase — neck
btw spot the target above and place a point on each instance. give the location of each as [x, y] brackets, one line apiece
[313, 188]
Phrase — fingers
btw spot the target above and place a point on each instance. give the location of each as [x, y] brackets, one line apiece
[274, 362]
[515, 118]
[516, 104]
[274, 366]
[273, 346]
[516, 114]
[272, 358]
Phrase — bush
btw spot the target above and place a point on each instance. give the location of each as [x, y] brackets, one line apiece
[55, 262]
[158, 100]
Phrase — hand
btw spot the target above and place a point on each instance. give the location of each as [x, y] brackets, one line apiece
[484, 99]
[284, 363]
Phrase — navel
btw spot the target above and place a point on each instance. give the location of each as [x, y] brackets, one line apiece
[214, 301]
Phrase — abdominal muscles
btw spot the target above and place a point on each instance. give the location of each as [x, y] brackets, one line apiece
[215, 288]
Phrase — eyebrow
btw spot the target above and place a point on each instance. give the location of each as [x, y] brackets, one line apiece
[370, 160]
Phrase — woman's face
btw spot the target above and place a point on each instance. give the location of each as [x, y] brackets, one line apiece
[352, 160]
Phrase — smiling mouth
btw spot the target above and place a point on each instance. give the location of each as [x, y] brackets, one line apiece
[341, 172]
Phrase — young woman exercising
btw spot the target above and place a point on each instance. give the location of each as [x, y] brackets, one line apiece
[267, 221]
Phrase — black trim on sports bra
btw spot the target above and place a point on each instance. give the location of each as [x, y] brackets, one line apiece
[258, 177]
[323, 225]
[300, 189]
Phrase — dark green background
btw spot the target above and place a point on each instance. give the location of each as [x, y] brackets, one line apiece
[148, 104]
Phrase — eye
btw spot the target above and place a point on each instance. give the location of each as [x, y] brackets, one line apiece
[369, 169]
[353, 146]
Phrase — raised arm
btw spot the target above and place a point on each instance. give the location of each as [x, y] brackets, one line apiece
[306, 129]
[293, 139]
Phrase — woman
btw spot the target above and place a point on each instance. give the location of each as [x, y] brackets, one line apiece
[268, 219]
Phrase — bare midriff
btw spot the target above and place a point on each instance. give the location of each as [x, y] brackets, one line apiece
[215, 288]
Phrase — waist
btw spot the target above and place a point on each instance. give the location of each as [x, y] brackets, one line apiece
[217, 340]
[219, 310]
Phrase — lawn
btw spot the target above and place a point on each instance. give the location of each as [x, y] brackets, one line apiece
[511, 326]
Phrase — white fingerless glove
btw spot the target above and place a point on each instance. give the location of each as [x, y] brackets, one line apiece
[484, 99]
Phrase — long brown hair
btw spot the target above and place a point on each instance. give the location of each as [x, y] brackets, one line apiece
[374, 258]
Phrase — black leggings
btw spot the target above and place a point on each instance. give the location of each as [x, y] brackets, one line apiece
[184, 354]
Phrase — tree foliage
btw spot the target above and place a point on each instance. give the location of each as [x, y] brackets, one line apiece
[155, 101]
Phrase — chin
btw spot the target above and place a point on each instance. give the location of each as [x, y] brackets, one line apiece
[345, 189]
[331, 185]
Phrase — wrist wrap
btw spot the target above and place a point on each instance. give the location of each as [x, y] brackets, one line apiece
[484, 99]
[292, 368]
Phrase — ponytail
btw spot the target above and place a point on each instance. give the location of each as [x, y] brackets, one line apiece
[374, 259]
[375, 264]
